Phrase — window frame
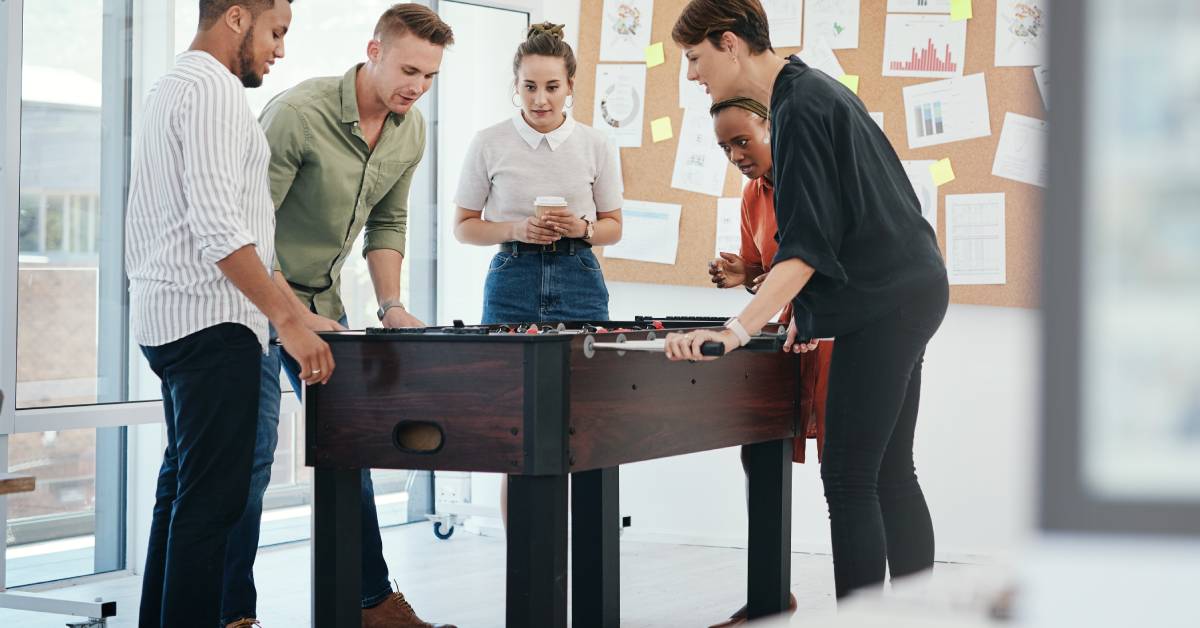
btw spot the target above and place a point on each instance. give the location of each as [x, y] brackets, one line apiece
[128, 433]
[1066, 503]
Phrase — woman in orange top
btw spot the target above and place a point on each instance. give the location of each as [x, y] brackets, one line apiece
[744, 133]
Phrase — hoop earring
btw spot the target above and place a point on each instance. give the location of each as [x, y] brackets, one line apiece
[571, 104]
[514, 101]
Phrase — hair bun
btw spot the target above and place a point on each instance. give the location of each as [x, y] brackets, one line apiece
[546, 28]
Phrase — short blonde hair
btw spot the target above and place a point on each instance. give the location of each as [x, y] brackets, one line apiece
[417, 19]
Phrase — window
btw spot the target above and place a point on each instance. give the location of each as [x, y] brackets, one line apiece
[70, 327]
[61, 280]
[1122, 428]
[1142, 256]
[476, 89]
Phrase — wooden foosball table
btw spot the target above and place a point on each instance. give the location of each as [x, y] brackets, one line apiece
[576, 400]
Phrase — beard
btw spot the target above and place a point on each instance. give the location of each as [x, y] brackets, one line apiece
[246, 64]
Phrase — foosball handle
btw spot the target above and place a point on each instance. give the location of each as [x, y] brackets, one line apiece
[712, 349]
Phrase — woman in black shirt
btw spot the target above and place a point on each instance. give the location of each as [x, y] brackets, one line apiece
[857, 261]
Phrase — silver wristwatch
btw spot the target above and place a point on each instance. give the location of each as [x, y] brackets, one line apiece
[590, 230]
[387, 305]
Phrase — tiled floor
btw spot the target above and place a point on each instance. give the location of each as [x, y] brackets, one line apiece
[462, 581]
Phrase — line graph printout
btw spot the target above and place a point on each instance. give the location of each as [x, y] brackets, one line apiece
[1021, 155]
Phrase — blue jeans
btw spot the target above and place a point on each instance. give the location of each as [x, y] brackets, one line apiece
[210, 400]
[541, 287]
[240, 596]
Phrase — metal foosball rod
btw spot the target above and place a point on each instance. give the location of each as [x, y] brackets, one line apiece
[712, 348]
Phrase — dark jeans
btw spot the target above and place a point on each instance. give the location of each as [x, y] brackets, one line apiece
[538, 287]
[240, 596]
[210, 401]
[877, 512]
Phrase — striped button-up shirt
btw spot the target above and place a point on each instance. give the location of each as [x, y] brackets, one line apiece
[199, 191]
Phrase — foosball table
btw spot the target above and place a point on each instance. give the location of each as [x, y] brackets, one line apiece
[544, 403]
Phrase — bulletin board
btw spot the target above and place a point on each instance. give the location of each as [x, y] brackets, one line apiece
[647, 170]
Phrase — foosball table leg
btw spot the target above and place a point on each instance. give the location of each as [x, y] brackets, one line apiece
[537, 552]
[595, 549]
[337, 548]
[770, 536]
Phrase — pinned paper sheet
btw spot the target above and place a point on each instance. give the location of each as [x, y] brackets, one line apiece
[660, 130]
[700, 164]
[650, 233]
[625, 29]
[947, 111]
[834, 20]
[654, 55]
[923, 46]
[691, 93]
[920, 174]
[849, 80]
[786, 20]
[975, 239]
[620, 103]
[1021, 154]
[960, 10]
[729, 225]
[942, 172]
[877, 116]
[1021, 32]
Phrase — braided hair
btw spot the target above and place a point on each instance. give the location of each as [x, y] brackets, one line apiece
[741, 102]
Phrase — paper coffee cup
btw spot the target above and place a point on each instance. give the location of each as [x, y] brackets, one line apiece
[543, 203]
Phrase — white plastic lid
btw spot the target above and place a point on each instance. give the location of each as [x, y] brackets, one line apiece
[550, 201]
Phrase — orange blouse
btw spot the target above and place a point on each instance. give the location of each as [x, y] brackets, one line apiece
[758, 249]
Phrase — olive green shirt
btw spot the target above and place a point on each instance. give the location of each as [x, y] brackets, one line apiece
[327, 184]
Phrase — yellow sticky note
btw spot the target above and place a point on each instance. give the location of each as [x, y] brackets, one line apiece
[654, 55]
[960, 10]
[850, 80]
[660, 130]
[942, 172]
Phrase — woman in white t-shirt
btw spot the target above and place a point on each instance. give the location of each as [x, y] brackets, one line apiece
[545, 269]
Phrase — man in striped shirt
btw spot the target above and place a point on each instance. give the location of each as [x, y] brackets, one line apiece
[200, 245]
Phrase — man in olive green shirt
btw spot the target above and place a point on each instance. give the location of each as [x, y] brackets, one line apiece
[343, 153]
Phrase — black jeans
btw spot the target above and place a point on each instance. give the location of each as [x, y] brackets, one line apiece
[241, 597]
[877, 512]
[210, 386]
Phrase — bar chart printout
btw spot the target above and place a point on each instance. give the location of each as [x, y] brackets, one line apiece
[927, 60]
[949, 110]
[929, 117]
[928, 46]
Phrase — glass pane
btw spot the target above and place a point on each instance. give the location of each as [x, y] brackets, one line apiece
[52, 530]
[1141, 270]
[476, 89]
[61, 129]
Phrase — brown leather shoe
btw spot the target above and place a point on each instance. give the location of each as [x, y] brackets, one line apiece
[245, 622]
[395, 612]
[739, 617]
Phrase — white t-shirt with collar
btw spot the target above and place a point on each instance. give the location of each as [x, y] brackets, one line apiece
[510, 164]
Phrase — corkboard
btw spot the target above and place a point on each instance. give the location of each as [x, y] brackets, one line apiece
[648, 169]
